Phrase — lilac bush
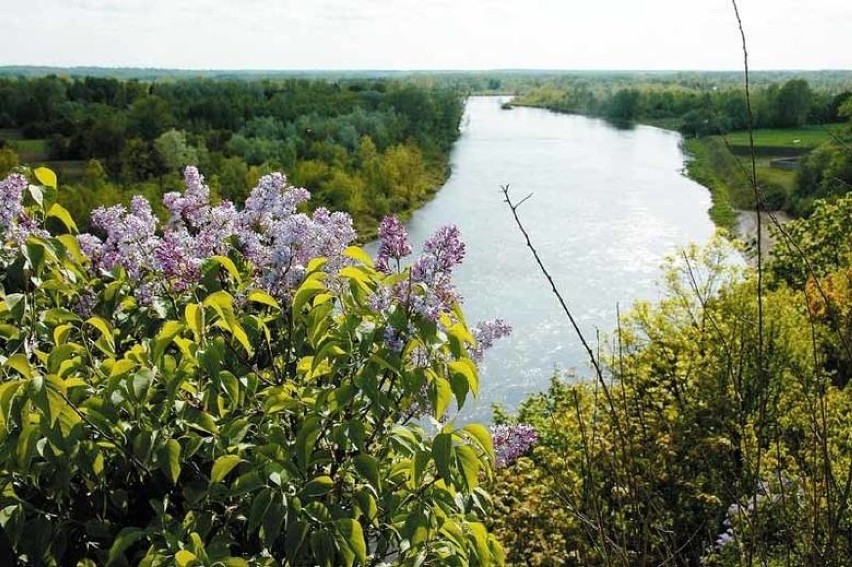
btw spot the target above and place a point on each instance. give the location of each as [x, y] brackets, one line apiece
[235, 386]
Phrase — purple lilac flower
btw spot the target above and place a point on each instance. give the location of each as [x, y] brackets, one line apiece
[485, 333]
[15, 225]
[394, 339]
[442, 252]
[281, 242]
[393, 243]
[131, 240]
[431, 291]
[11, 195]
[512, 441]
[194, 202]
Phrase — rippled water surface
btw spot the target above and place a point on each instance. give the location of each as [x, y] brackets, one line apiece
[607, 205]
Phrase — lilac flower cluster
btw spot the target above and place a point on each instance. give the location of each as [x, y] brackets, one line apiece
[393, 244]
[442, 252]
[269, 232]
[280, 241]
[485, 333]
[11, 194]
[429, 291]
[512, 442]
[15, 225]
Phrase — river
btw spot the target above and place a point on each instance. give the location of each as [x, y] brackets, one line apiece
[607, 206]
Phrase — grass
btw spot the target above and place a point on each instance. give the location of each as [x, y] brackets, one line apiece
[782, 178]
[805, 137]
[30, 151]
[727, 176]
[710, 167]
[9, 134]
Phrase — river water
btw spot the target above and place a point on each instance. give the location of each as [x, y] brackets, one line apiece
[607, 206]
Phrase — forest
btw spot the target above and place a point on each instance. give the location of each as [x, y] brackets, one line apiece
[370, 147]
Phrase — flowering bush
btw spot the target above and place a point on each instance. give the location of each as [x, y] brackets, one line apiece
[235, 386]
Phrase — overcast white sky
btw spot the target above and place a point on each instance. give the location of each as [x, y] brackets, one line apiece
[426, 34]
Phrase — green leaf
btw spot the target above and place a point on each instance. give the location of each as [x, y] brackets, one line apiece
[305, 440]
[223, 304]
[173, 454]
[45, 176]
[185, 558]
[222, 466]
[467, 368]
[356, 274]
[35, 253]
[322, 545]
[122, 367]
[142, 380]
[368, 467]
[170, 330]
[7, 393]
[125, 538]
[59, 212]
[258, 509]
[259, 296]
[479, 534]
[20, 363]
[442, 452]
[193, 316]
[354, 537]
[37, 194]
[482, 436]
[308, 289]
[229, 265]
[317, 487]
[103, 326]
[419, 464]
[26, 443]
[56, 403]
[69, 241]
[358, 253]
[442, 395]
[468, 463]
[316, 264]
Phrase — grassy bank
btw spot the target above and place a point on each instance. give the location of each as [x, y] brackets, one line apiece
[807, 137]
[712, 165]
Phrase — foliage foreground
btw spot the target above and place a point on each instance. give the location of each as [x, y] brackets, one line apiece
[233, 387]
[719, 433]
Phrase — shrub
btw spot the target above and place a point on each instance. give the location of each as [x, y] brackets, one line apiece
[700, 444]
[231, 388]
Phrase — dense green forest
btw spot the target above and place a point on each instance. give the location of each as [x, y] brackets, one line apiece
[370, 147]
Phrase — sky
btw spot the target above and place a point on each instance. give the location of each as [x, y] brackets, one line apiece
[426, 34]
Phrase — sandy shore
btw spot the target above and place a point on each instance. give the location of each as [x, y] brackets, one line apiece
[747, 232]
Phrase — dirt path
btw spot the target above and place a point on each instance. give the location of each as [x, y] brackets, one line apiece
[747, 232]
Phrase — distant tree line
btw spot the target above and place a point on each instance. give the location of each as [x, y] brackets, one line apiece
[695, 111]
[368, 146]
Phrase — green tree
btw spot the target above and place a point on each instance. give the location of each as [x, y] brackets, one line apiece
[174, 150]
[793, 104]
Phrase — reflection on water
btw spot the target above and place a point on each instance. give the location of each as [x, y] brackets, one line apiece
[607, 205]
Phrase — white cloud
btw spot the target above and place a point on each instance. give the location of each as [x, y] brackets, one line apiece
[281, 34]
